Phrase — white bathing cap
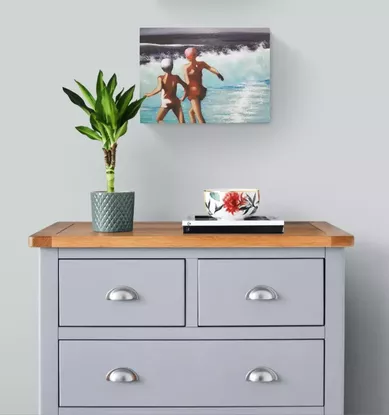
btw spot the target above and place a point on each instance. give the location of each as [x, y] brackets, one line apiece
[167, 64]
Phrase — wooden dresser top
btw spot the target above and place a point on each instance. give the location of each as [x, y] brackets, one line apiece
[169, 235]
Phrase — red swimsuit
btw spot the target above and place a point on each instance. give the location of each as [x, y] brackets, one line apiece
[195, 86]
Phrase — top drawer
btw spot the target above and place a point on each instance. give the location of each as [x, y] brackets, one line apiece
[261, 292]
[122, 292]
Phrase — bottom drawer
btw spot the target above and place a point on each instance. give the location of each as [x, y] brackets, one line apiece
[247, 373]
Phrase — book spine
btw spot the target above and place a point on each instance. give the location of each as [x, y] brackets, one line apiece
[223, 224]
[233, 229]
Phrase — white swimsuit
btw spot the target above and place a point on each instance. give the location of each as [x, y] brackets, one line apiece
[165, 102]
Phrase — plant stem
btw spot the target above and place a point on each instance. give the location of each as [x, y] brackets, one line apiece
[110, 174]
[110, 164]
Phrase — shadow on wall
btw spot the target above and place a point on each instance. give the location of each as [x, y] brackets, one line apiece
[285, 98]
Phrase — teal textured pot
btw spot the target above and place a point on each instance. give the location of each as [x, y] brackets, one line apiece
[113, 212]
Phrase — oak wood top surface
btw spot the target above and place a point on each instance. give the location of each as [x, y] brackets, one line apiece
[169, 235]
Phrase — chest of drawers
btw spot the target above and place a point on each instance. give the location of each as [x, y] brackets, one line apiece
[155, 322]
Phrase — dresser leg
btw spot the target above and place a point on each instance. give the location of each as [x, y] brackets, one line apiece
[334, 335]
[48, 376]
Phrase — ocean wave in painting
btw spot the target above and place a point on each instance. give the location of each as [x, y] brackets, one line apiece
[158, 51]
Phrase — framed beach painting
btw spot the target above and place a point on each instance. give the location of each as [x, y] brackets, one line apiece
[205, 75]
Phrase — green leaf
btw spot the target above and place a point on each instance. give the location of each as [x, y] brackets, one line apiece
[100, 113]
[118, 96]
[215, 196]
[131, 110]
[109, 133]
[88, 96]
[112, 84]
[106, 109]
[105, 131]
[77, 100]
[125, 100]
[100, 85]
[93, 135]
[100, 128]
[121, 131]
[95, 123]
[110, 108]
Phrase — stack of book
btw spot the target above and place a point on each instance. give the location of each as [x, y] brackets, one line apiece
[252, 224]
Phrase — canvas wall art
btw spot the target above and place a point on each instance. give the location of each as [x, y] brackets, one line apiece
[201, 75]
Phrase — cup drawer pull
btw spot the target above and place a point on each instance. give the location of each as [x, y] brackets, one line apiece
[262, 293]
[122, 375]
[122, 294]
[262, 375]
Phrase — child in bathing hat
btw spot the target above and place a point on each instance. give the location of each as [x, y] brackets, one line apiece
[194, 78]
[167, 85]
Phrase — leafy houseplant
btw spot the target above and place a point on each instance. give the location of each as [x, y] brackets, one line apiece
[108, 116]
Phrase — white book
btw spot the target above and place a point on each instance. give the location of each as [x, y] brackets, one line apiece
[252, 221]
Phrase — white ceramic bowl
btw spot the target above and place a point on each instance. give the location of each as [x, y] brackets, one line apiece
[231, 204]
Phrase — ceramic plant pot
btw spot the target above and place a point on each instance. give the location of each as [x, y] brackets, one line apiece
[113, 212]
[231, 204]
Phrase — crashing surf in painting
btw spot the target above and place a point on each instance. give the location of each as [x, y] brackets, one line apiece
[205, 75]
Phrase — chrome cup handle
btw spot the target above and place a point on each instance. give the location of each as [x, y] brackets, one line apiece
[262, 293]
[262, 375]
[122, 293]
[122, 375]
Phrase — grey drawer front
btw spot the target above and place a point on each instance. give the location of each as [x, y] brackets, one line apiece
[298, 284]
[186, 373]
[84, 284]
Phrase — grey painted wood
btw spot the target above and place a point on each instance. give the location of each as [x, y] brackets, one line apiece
[334, 343]
[198, 333]
[186, 373]
[160, 284]
[191, 292]
[193, 411]
[223, 285]
[48, 327]
[192, 253]
[332, 332]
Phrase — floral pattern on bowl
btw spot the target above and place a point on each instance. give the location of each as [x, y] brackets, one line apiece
[231, 204]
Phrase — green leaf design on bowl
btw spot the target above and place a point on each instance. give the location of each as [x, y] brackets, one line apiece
[215, 196]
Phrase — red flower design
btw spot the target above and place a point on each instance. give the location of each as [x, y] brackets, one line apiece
[233, 201]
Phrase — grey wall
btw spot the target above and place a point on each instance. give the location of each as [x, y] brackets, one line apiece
[323, 157]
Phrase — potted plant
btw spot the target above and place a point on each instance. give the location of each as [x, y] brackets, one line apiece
[108, 116]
